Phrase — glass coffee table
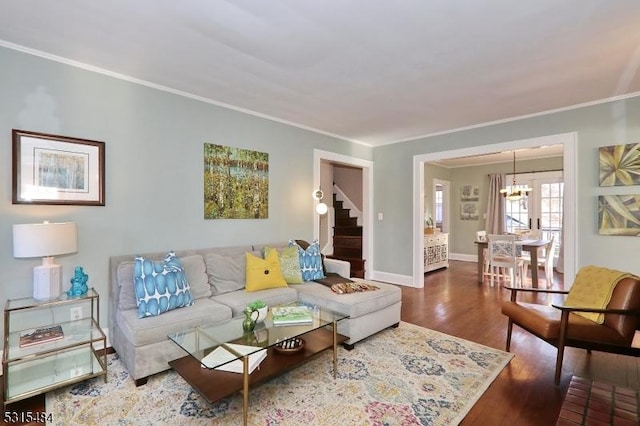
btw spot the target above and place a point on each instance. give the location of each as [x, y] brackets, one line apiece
[286, 347]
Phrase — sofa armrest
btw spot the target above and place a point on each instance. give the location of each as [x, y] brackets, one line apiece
[340, 267]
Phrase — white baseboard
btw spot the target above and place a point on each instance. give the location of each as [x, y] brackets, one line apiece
[463, 257]
[388, 277]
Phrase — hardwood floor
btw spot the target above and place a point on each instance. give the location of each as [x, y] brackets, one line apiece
[453, 302]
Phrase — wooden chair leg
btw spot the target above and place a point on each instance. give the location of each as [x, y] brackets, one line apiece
[564, 322]
[509, 330]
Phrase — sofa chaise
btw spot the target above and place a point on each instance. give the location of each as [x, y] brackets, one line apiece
[217, 280]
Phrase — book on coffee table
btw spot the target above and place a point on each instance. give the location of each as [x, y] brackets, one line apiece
[221, 355]
[41, 335]
[290, 315]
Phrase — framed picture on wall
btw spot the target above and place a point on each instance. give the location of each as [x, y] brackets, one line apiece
[236, 183]
[619, 215]
[619, 165]
[52, 169]
[469, 193]
[469, 211]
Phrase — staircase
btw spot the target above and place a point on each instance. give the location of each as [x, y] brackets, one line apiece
[347, 239]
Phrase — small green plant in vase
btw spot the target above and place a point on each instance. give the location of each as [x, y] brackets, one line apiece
[260, 307]
[428, 224]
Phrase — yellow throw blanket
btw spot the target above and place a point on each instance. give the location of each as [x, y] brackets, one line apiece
[593, 288]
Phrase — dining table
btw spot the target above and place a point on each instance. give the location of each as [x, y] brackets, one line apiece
[532, 246]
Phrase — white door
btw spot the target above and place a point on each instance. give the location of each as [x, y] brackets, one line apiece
[542, 209]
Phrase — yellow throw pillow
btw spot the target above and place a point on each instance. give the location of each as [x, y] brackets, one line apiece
[264, 273]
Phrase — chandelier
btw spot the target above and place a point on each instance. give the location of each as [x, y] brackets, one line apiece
[516, 192]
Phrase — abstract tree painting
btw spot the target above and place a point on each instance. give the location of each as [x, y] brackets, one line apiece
[236, 183]
[620, 165]
[619, 215]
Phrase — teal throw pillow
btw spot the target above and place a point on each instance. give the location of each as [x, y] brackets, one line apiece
[310, 261]
[160, 286]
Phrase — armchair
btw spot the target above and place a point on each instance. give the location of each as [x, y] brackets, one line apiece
[561, 326]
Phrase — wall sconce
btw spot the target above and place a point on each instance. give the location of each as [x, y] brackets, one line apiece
[45, 240]
[321, 208]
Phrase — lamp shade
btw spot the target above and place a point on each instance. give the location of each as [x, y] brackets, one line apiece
[44, 239]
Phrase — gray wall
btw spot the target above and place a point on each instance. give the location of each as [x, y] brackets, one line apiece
[600, 125]
[154, 151]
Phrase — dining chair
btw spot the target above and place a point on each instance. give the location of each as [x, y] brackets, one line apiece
[546, 261]
[505, 252]
[482, 236]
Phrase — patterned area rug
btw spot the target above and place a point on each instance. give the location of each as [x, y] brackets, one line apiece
[404, 376]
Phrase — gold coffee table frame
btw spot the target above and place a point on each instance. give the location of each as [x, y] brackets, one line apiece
[214, 384]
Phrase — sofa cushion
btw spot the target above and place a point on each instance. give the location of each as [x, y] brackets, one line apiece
[196, 272]
[145, 331]
[352, 304]
[227, 272]
[310, 261]
[238, 300]
[160, 286]
[194, 268]
[127, 298]
[264, 273]
[289, 263]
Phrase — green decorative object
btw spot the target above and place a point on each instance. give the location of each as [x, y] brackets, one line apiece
[248, 324]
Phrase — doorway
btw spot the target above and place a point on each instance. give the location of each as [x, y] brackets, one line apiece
[321, 157]
[441, 204]
[568, 142]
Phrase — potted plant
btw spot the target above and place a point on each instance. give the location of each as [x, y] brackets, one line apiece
[261, 308]
[428, 224]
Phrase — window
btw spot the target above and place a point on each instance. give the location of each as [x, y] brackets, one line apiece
[439, 205]
[542, 209]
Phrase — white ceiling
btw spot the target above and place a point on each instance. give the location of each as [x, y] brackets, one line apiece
[375, 72]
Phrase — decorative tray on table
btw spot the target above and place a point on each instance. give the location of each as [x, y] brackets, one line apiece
[289, 346]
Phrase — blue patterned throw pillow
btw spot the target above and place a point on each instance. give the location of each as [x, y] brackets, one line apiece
[160, 286]
[310, 261]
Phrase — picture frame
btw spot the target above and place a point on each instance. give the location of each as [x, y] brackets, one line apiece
[469, 193]
[619, 215]
[619, 165]
[469, 211]
[53, 169]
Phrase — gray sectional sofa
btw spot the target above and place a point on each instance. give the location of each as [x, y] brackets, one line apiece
[217, 278]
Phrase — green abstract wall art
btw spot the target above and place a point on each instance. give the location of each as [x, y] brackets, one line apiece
[619, 165]
[236, 183]
[619, 215]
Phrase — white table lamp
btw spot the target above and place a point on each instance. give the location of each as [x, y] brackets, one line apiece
[45, 240]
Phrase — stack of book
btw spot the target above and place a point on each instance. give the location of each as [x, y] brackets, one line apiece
[291, 315]
[222, 355]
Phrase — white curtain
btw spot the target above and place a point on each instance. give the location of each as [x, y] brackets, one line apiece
[495, 204]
